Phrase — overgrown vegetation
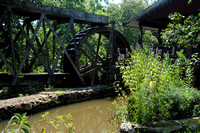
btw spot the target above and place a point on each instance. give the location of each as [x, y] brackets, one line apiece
[162, 89]
[157, 89]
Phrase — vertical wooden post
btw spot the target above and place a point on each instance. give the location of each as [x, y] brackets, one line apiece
[27, 45]
[54, 43]
[99, 40]
[76, 48]
[86, 52]
[110, 44]
[113, 42]
[3, 16]
[11, 43]
[95, 62]
[46, 45]
[159, 35]
[140, 34]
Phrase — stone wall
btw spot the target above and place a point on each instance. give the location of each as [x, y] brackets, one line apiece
[51, 98]
[191, 124]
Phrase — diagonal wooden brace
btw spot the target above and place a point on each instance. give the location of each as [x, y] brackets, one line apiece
[62, 46]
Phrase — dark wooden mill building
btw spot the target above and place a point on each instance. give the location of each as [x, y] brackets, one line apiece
[155, 17]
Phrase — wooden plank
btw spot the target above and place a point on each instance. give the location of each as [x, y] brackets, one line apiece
[54, 13]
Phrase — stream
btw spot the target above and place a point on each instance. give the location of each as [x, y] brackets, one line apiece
[88, 117]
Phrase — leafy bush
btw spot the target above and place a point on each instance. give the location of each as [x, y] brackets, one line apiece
[158, 92]
[182, 31]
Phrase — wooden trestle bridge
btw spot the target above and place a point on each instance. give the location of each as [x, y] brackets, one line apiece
[75, 58]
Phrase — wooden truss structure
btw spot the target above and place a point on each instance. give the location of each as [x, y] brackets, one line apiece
[28, 19]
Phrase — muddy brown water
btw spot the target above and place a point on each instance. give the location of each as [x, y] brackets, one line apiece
[88, 117]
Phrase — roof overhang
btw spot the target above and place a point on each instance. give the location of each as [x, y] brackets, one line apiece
[156, 16]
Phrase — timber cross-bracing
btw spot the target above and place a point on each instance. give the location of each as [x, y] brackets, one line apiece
[23, 44]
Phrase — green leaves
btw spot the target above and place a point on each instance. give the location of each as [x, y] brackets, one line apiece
[181, 31]
[20, 121]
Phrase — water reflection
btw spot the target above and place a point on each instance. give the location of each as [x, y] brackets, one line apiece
[88, 117]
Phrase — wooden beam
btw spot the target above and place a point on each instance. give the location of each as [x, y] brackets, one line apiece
[98, 45]
[30, 44]
[40, 47]
[152, 24]
[62, 45]
[159, 36]
[86, 54]
[7, 64]
[110, 41]
[3, 16]
[63, 41]
[91, 48]
[95, 69]
[15, 41]
[140, 34]
[27, 60]
[54, 44]
[97, 53]
[11, 43]
[47, 49]
[76, 48]
[54, 13]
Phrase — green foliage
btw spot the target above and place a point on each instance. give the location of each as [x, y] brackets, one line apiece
[59, 93]
[21, 95]
[120, 13]
[157, 89]
[185, 68]
[149, 38]
[182, 31]
[60, 123]
[20, 121]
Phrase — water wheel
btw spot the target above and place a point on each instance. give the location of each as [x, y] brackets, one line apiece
[95, 53]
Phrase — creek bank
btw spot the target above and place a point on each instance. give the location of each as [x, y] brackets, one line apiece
[191, 124]
[51, 98]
